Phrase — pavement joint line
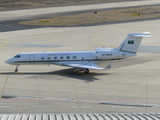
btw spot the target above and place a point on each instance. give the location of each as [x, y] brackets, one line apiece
[142, 29]
[5, 106]
[76, 95]
[103, 43]
[72, 38]
[84, 37]
[6, 41]
[133, 72]
[90, 98]
[78, 37]
[114, 102]
[4, 86]
[42, 106]
[37, 95]
[63, 39]
[113, 46]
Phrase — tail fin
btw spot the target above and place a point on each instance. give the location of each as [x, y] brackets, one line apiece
[132, 42]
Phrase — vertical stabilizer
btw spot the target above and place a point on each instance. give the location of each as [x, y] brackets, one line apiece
[132, 42]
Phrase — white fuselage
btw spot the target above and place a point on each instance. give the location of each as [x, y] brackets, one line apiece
[84, 60]
[59, 58]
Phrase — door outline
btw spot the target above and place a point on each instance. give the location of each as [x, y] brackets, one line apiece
[82, 59]
[31, 59]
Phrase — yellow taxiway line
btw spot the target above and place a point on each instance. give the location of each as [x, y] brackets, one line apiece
[6, 41]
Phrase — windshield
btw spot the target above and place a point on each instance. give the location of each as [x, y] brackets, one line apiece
[17, 56]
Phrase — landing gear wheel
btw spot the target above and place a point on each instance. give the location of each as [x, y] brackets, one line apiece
[16, 70]
[86, 71]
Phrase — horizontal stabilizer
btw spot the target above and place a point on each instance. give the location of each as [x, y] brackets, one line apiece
[144, 34]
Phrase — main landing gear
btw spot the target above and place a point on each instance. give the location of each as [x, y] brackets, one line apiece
[86, 71]
[16, 70]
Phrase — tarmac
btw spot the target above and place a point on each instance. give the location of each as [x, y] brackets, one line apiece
[130, 86]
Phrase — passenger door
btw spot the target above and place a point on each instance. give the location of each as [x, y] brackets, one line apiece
[31, 59]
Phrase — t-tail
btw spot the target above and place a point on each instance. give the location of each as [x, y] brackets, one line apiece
[132, 42]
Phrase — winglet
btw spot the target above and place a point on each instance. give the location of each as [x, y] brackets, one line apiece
[109, 65]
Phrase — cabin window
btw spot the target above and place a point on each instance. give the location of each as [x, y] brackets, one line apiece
[61, 57]
[74, 57]
[68, 57]
[55, 57]
[17, 56]
[42, 58]
[49, 58]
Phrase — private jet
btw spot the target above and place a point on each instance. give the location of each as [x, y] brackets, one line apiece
[84, 60]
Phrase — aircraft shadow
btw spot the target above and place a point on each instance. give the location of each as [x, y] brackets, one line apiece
[80, 75]
[68, 73]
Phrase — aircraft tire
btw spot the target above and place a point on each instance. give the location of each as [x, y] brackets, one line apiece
[86, 71]
[16, 70]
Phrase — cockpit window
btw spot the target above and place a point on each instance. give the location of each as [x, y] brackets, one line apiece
[17, 56]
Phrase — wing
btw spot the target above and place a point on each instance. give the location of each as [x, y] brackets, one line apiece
[87, 66]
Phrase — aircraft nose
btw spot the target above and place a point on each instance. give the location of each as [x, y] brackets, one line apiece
[9, 61]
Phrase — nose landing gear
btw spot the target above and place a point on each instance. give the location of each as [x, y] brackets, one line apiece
[16, 70]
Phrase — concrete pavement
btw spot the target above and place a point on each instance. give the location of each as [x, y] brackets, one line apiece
[126, 88]
[29, 13]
